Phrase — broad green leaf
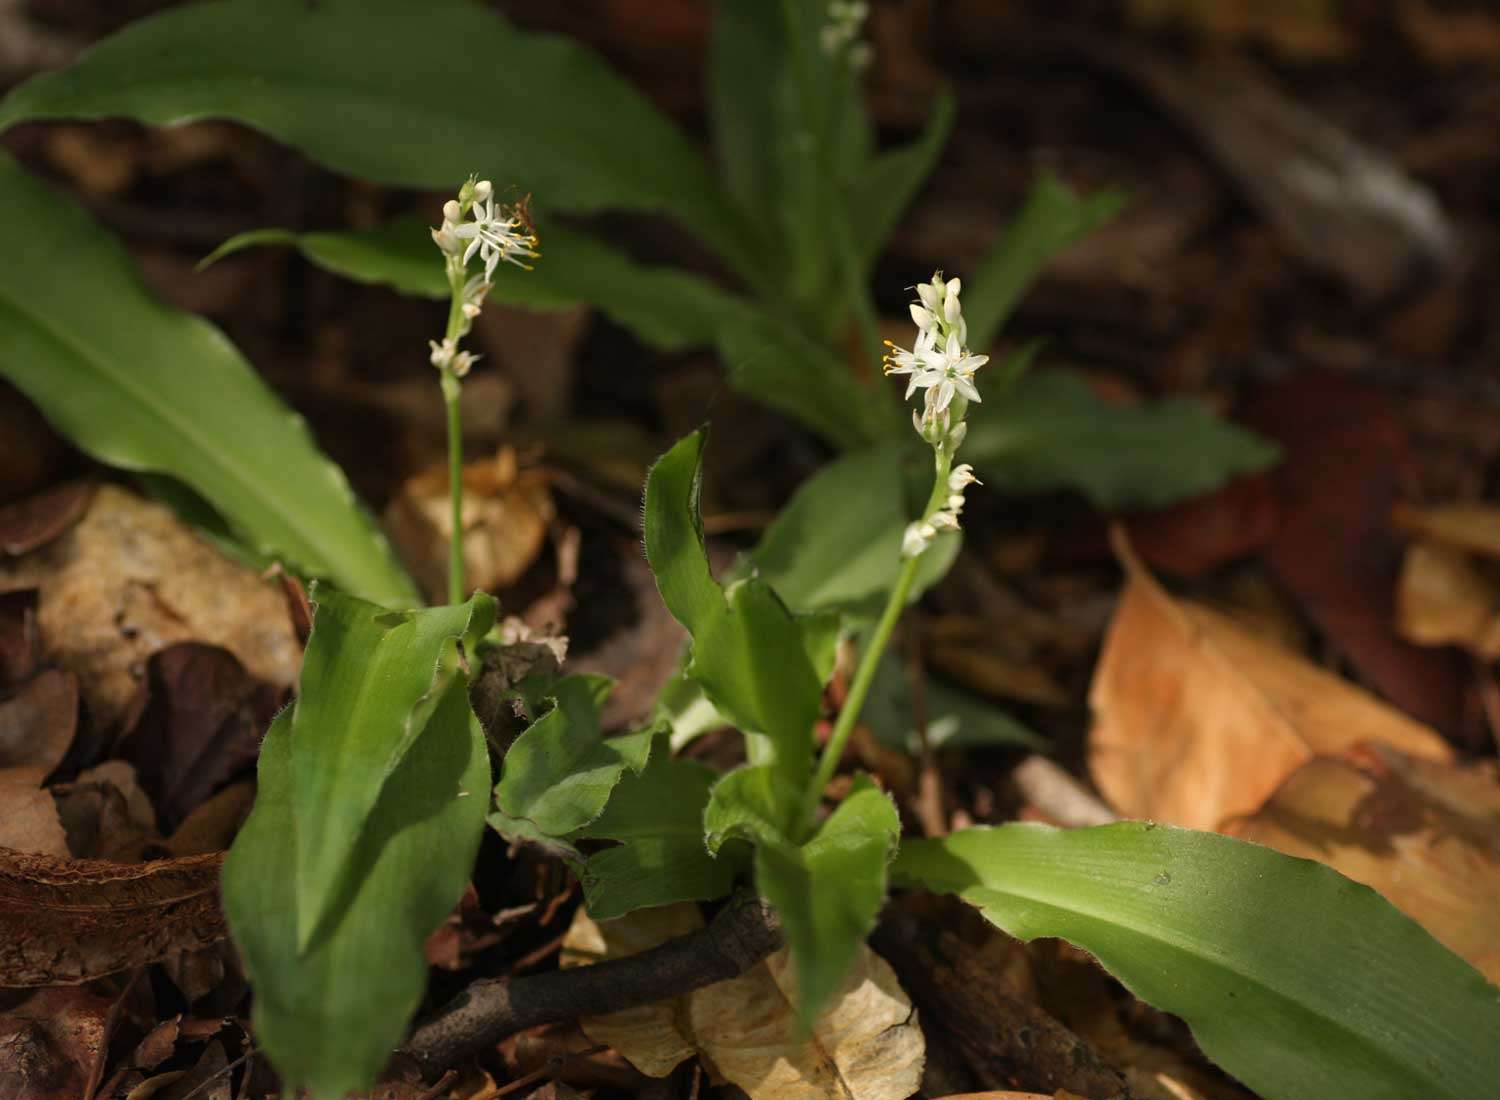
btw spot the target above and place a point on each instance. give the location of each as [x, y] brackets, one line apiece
[407, 93]
[145, 387]
[658, 818]
[749, 653]
[1053, 218]
[955, 718]
[836, 546]
[745, 80]
[666, 308]
[330, 1017]
[371, 681]
[558, 775]
[794, 374]
[827, 891]
[1051, 432]
[882, 192]
[1301, 983]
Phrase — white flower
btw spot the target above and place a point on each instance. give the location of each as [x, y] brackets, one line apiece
[442, 354]
[962, 477]
[943, 521]
[496, 236]
[956, 504]
[915, 539]
[900, 361]
[948, 372]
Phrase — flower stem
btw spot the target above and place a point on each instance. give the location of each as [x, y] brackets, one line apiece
[451, 390]
[869, 661]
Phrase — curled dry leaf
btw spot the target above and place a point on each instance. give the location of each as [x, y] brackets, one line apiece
[129, 580]
[506, 513]
[37, 520]
[1445, 597]
[52, 1044]
[29, 821]
[1197, 720]
[65, 921]
[1424, 834]
[865, 1046]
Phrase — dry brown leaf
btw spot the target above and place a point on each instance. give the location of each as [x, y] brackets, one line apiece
[29, 821]
[651, 1037]
[37, 723]
[1463, 526]
[129, 580]
[107, 814]
[506, 512]
[1197, 720]
[52, 1045]
[1426, 835]
[1446, 597]
[1451, 36]
[64, 921]
[865, 1046]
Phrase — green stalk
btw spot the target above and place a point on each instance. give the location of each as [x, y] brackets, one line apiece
[869, 661]
[452, 389]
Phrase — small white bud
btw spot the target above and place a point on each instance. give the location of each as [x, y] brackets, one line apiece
[956, 504]
[951, 309]
[442, 354]
[462, 362]
[913, 541]
[931, 295]
[922, 317]
[955, 284]
[482, 190]
[956, 437]
[452, 211]
[944, 521]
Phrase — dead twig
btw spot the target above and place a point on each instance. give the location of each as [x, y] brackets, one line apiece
[1058, 795]
[744, 932]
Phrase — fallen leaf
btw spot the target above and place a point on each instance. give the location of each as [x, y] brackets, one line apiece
[213, 825]
[865, 1046]
[1471, 527]
[196, 724]
[65, 921]
[652, 1037]
[1424, 834]
[1347, 455]
[38, 722]
[37, 520]
[129, 580]
[207, 1080]
[20, 648]
[29, 821]
[158, 1045]
[1444, 597]
[107, 815]
[1197, 720]
[506, 513]
[52, 1044]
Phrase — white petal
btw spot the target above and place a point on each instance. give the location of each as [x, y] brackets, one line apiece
[965, 386]
[931, 297]
[944, 397]
[954, 349]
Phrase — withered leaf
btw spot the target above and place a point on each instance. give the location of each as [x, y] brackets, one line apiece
[52, 1044]
[29, 821]
[38, 722]
[65, 921]
[1197, 720]
[1424, 834]
[1445, 597]
[39, 519]
[865, 1045]
[128, 580]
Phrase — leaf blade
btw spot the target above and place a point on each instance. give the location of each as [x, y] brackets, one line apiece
[1185, 920]
[145, 387]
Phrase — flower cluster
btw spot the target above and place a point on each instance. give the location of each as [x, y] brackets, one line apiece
[495, 233]
[940, 364]
[846, 18]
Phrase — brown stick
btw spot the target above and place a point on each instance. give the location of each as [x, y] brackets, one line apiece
[743, 933]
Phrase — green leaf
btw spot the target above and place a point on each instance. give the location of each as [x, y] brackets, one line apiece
[330, 1017]
[666, 308]
[658, 818]
[413, 94]
[792, 373]
[371, 681]
[827, 891]
[955, 718]
[744, 85]
[558, 775]
[1051, 432]
[1296, 980]
[749, 653]
[144, 387]
[836, 546]
[1053, 218]
[882, 192]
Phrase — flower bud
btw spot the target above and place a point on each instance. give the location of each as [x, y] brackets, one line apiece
[956, 504]
[922, 317]
[482, 190]
[962, 477]
[913, 540]
[452, 212]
